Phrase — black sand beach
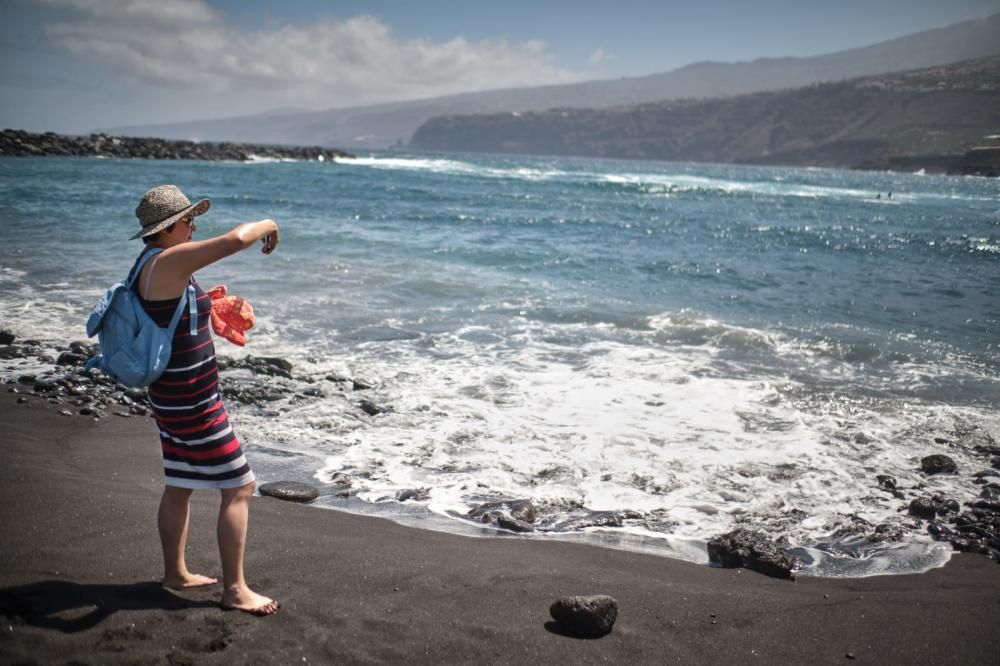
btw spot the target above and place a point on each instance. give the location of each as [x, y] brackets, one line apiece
[80, 561]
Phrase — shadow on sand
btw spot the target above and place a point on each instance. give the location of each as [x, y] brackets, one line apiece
[71, 607]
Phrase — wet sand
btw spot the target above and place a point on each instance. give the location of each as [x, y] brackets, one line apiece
[80, 563]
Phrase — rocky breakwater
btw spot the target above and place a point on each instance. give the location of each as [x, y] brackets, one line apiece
[18, 143]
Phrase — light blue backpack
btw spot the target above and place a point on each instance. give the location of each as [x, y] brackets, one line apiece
[134, 350]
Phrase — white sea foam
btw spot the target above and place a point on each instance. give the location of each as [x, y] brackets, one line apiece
[671, 183]
[616, 426]
[457, 167]
[263, 159]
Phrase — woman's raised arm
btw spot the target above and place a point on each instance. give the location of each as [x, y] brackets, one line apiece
[181, 261]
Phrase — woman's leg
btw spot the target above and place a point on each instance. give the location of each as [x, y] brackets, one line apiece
[172, 521]
[234, 514]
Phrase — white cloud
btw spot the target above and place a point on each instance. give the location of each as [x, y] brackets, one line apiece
[186, 45]
[597, 56]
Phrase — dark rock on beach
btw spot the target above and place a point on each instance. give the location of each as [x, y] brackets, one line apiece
[745, 548]
[270, 366]
[938, 464]
[252, 392]
[291, 491]
[18, 143]
[585, 616]
[72, 358]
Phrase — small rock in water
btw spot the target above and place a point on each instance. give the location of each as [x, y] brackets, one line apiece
[938, 464]
[744, 548]
[6, 337]
[370, 408]
[410, 494]
[291, 491]
[585, 616]
[886, 482]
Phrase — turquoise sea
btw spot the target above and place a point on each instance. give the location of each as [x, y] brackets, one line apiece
[707, 346]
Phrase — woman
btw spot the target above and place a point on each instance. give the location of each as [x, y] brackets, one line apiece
[200, 449]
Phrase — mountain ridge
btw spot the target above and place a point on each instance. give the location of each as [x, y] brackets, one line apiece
[930, 117]
[392, 123]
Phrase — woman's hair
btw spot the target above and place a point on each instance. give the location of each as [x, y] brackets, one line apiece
[152, 238]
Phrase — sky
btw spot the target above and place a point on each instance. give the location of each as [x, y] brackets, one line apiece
[71, 66]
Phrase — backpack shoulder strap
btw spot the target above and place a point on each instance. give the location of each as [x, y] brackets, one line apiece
[152, 252]
[192, 302]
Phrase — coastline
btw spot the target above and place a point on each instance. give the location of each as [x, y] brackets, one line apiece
[20, 143]
[80, 564]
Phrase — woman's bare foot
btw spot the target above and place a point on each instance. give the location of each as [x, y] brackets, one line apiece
[240, 597]
[188, 580]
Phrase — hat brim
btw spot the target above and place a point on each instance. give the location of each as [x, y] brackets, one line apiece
[198, 209]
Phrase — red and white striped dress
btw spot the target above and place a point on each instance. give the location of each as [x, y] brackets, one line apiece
[200, 449]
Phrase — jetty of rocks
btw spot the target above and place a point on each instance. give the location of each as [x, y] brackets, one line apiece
[18, 143]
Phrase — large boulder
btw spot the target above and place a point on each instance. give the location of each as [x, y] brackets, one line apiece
[585, 616]
[745, 548]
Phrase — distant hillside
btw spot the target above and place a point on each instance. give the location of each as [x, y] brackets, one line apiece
[383, 125]
[932, 115]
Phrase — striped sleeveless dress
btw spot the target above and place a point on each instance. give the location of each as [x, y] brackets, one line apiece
[200, 448]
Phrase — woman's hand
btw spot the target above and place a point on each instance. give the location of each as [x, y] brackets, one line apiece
[270, 241]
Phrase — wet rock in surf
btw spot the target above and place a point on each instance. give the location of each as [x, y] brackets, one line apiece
[291, 491]
[518, 509]
[585, 616]
[6, 337]
[938, 464]
[945, 506]
[371, 409]
[886, 533]
[889, 485]
[411, 494]
[505, 521]
[751, 550]
[595, 519]
[8, 352]
[923, 507]
[991, 494]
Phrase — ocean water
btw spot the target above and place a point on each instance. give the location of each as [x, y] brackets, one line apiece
[709, 346]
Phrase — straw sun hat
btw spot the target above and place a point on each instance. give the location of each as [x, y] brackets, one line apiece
[162, 206]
